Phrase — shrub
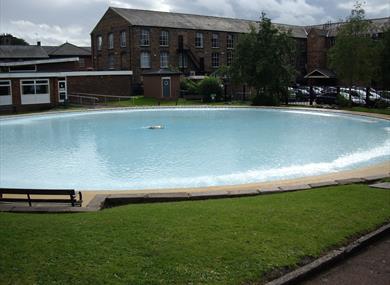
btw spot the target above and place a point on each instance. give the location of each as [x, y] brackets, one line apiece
[266, 99]
[342, 101]
[209, 86]
[189, 85]
[381, 104]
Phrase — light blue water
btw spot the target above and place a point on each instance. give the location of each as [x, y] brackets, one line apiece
[198, 147]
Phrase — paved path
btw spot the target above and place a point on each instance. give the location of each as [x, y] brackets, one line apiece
[369, 266]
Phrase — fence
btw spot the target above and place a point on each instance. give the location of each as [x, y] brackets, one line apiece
[93, 99]
[338, 95]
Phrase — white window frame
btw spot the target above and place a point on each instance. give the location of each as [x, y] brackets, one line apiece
[6, 99]
[199, 38]
[99, 42]
[144, 38]
[215, 60]
[34, 98]
[230, 41]
[214, 40]
[164, 59]
[122, 37]
[143, 58]
[110, 39]
[229, 58]
[164, 38]
[81, 62]
[183, 63]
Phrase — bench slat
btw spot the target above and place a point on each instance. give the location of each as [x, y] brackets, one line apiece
[38, 191]
[38, 200]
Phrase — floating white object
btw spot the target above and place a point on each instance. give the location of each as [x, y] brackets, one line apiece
[156, 127]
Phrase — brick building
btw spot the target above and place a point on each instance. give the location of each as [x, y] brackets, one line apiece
[141, 40]
[38, 77]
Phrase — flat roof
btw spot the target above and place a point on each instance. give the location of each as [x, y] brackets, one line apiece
[64, 74]
[39, 61]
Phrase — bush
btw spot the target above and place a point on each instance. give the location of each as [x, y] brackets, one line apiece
[266, 99]
[381, 104]
[342, 101]
[189, 85]
[209, 86]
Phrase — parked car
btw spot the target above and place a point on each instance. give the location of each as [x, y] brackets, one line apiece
[328, 98]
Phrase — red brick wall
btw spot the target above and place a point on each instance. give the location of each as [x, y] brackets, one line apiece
[316, 50]
[153, 86]
[103, 85]
[111, 23]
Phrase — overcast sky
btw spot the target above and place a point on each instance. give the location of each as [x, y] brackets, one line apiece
[55, 21]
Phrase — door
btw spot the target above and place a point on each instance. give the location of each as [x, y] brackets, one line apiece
[166, 87]
[62, 91]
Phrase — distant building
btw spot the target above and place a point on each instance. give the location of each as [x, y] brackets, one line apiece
[141, 40]
[38, 76]
[64, 57]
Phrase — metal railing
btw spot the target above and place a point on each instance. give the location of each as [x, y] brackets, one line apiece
[83, 98]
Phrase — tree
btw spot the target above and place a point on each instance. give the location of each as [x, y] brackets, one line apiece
[384, 60]
[264, 60]
[354, 55]
[8, 39]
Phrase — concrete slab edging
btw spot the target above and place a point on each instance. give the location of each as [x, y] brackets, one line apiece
[112, 200]
[331, 258]
[101, 201]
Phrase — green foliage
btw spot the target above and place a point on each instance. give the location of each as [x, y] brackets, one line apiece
[384, 59]
[354, 56]
[381, 104]
[224, 241]
[8, 39]
[263, 59]
[342, 101]
[189, 85]
[210, 86]
[266, 99]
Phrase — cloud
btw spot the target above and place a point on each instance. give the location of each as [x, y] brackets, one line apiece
[55, 21]
[372, 8]
[48, 34]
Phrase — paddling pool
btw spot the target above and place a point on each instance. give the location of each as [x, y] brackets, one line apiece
[195, 147]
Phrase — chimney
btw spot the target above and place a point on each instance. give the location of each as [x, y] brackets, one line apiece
[39, 43]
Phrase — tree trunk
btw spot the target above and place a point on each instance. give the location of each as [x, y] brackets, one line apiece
[367, 96]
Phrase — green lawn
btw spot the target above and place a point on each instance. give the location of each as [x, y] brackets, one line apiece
[369, 110]
[227, 241]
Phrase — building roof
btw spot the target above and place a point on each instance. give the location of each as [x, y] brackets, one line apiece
[38, 61]
[22, 52]
[378, 25]
[189, 21]
[8, 75]
[67, 49]
[198, 22]
[321, 73]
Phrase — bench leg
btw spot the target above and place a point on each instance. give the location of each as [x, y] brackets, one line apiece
[29, 200]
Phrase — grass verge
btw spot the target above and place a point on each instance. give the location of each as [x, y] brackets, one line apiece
[227, 241]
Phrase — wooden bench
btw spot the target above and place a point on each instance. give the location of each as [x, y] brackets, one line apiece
[72, 199]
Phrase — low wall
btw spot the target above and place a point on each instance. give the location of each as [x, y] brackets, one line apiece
[100, 84]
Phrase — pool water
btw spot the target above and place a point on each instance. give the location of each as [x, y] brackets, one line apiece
[114, 150]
